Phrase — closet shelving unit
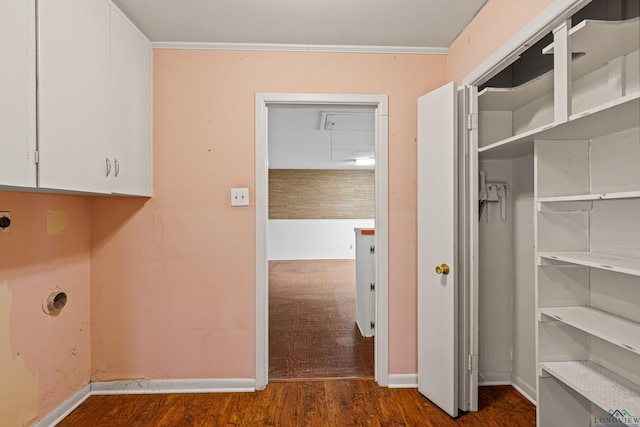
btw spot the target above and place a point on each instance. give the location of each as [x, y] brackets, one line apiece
[587, 217]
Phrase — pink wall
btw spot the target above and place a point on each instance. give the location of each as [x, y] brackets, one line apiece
[173, 278]
[43, 359]
[493, 26]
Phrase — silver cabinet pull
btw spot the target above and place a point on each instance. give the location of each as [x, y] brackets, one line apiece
[117, 166]
[108, 166]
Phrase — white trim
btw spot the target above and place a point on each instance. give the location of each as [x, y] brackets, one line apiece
[65, 408]
[280, 47]
[535, 29]
[403, 380]
[382, 242]
[381, 103]
[523, 388]
[519, 388]
[216, 385]
[219, 385]
[495, 382]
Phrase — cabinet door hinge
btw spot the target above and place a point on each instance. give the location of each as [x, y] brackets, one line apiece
[372, 286]
[36, 157]
[472, 121]
[373, 325]
[372, 249]
[472, 362]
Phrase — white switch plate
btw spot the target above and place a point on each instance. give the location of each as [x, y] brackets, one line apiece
[239, 197]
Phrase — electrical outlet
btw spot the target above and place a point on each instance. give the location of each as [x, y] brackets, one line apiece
[5, 222]
[239, 197]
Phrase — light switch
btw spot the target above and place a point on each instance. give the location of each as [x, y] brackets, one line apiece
[239, 197]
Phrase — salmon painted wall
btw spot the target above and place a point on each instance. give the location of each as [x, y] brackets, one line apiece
[43, 359]
[493, 26]
[173, 277]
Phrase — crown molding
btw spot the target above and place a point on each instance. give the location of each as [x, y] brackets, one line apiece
[278, 47]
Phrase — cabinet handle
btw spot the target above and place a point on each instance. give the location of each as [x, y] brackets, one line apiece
[108, 166]
[117, 167]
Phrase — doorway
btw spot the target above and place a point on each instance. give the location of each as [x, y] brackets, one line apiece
[379, 105]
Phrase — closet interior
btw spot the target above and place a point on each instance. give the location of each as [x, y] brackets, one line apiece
[559, 218]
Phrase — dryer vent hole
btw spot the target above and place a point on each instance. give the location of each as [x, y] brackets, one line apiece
[54, 303]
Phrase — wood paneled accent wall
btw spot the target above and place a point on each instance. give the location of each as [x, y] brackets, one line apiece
[321, 194]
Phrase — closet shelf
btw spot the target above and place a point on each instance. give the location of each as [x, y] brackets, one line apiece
[512, 98]
[587, 37]
[610, 262]
[609, 327]
[605, 119]
[588, 197]
[606, 389]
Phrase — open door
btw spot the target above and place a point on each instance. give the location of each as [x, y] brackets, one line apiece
[437, 247]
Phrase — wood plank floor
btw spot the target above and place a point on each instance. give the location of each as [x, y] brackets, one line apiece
[313, 338]
[312, 321]
[333, 402]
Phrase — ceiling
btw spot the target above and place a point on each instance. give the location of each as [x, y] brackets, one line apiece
[320, 137]
[299, 137]
[379, 23]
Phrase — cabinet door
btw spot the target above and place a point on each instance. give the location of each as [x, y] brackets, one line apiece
[17, 93]
[131, 143]
[73, 95]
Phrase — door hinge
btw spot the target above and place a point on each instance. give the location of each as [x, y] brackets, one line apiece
[472, 362]
[36, 157]
[472, 121]
[372, 286]
[372, 249]
[373, 325]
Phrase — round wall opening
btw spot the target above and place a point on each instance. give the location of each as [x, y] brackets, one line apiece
[54, 303]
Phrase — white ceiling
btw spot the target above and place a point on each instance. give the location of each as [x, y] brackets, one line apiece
[382, 23]
[295, 138]
[325, 137]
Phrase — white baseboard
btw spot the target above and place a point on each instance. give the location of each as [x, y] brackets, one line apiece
[223, 385]
[494, 378]
[516, 382]
[64, 409]
[490, 383]
[174, 386]
[403, 381]
[524, 388]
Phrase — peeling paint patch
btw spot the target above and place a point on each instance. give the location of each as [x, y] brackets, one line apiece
[56, 222]
[18, 388]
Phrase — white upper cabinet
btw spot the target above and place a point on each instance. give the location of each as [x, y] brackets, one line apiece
[130, 103]
[87, 127]
[73, 95]
[17, 93]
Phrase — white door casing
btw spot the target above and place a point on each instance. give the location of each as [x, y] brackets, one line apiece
[380, 102]
[437, 241]
[468, 291]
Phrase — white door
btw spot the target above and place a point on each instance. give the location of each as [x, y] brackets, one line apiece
[437, 258]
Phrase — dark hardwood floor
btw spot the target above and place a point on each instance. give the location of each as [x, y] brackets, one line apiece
[332, 402]
[312, 321]
[313, 338]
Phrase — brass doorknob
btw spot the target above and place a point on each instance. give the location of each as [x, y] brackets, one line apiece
[442, 269]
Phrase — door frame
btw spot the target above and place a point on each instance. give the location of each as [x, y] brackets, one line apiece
[381, 104]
